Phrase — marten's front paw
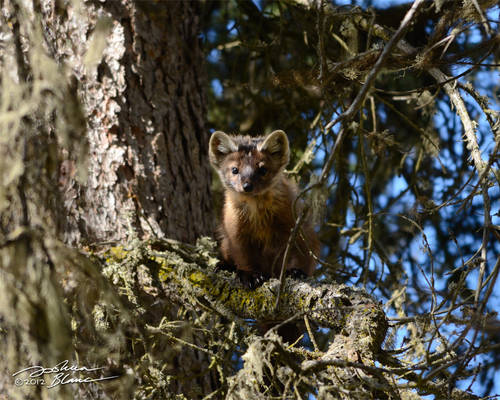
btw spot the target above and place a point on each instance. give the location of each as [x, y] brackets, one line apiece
[224, 266]
[296, 273]
[251, 280]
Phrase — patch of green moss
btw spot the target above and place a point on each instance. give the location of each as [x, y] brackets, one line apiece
[115, 254]
[198, 278]
[165, 272]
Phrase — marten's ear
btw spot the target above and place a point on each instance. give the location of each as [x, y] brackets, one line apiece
[276, 144]
[219, 147]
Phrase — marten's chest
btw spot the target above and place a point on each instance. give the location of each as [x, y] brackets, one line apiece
[267, 221]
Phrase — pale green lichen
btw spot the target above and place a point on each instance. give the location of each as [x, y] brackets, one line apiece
[118, 253]
[198, 278]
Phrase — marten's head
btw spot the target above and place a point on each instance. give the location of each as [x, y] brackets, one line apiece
[249, 165]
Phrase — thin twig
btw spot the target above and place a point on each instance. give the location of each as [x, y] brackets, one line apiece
[286, 255]
[358, 101]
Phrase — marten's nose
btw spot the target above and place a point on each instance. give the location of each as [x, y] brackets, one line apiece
[247, 187]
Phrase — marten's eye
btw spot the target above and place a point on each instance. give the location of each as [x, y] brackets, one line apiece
[262, 171]
[235, 171]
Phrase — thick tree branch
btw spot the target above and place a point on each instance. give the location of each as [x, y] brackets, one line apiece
[187, 272]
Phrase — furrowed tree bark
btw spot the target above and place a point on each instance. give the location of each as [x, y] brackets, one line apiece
[105, 140]
[141, 83]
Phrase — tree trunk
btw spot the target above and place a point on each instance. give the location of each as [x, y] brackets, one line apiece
[144, 102]
[103, 139]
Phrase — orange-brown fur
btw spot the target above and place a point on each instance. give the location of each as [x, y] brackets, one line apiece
[256, 225]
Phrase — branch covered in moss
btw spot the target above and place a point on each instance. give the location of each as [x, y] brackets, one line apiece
[188, 272]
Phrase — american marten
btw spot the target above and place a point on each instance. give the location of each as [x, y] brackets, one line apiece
[258, 214]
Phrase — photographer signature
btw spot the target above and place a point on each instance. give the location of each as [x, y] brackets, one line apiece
[64, 375]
